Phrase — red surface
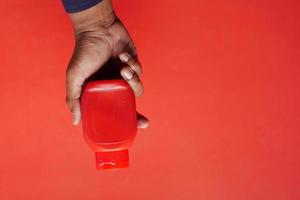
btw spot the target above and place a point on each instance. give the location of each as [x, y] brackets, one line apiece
[221, 89]
[109, 122]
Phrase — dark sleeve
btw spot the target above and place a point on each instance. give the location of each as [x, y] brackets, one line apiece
[72, 6]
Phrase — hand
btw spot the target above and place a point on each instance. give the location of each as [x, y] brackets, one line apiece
[99, 37]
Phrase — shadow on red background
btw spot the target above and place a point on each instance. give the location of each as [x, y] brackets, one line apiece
[222, 92]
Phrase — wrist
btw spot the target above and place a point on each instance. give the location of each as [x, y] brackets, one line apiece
[100, 16]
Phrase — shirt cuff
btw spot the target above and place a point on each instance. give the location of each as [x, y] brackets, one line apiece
[72, 6]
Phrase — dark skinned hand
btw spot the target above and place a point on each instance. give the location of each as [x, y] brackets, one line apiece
[100, 36]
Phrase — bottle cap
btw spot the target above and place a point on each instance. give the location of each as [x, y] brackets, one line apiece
[112, 160]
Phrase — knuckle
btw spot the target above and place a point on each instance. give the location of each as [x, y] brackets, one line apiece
[138, 70]
[136, 66]
[68, 102]
[137, 86]
[140, 92]
[135, 79]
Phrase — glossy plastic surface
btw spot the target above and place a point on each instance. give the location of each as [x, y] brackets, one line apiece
[109, 121]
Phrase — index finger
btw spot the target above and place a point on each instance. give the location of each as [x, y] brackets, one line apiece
[132, 62]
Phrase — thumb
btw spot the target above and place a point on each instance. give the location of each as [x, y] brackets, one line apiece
[75, 109]
[88, 57]
[75, 80]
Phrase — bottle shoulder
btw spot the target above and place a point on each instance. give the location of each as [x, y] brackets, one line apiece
[106, 85]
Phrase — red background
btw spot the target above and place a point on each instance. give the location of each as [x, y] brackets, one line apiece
[222, 93]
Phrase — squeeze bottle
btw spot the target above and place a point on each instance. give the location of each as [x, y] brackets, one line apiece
[109, 121]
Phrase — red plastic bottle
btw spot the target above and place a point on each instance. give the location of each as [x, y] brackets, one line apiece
[109, 121]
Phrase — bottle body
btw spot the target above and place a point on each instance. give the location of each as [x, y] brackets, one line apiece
[109, 121]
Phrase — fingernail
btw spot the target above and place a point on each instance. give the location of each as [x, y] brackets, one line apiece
[124, 57]
[142, 124]
[74, 119]
[128, 74]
